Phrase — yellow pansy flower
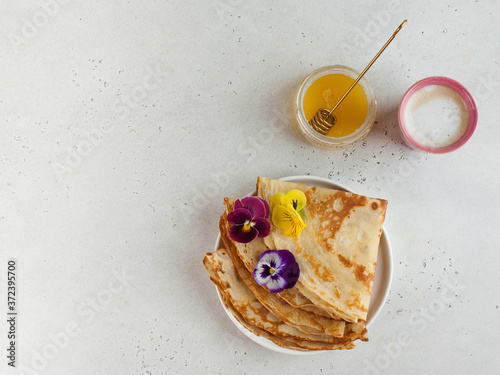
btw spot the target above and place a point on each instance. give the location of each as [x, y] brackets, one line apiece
[285, 210]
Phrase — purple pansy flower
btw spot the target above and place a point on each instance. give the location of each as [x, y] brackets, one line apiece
[249, 219]
[277, 269]
[256, 205]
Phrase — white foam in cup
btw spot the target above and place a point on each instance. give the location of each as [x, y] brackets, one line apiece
[437, 114]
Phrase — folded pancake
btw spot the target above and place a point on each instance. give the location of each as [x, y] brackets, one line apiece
[249, 253]
[337, 254]
[259, 332]
[248, 305]
[337, 250]
[254, 316]
[303, 320]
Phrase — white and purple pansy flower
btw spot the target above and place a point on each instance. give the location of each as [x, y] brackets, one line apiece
[249, 219]
[277, 269]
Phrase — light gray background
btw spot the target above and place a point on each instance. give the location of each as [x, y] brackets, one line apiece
[125, 124]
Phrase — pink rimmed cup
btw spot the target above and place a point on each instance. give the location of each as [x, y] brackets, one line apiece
[457, 88]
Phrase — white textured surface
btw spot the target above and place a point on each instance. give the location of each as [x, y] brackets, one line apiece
[176, 97]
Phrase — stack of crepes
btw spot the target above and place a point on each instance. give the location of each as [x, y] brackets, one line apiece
[337, 255]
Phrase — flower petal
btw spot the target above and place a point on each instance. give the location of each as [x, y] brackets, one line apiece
[296, 198]
[256, 205]
[239, 216]
[261, 274]
[276, 283]
[286, 258]
[262, 225]
[295, 227]
[266, 205]
[282, 216]
[239, 233]
[291, 274]
[271, 258]
[237, 204]
[275, 200]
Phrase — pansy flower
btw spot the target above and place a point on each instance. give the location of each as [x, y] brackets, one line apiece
[277, 269]
[249, 219]
[286, 212]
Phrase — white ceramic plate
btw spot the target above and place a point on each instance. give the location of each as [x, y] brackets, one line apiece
[381, 284]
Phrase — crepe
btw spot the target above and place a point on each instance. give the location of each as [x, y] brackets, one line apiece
[254, 316]
[337, 250]
[337, 255]
[210, 267]
[303, 320]
[249, 253]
